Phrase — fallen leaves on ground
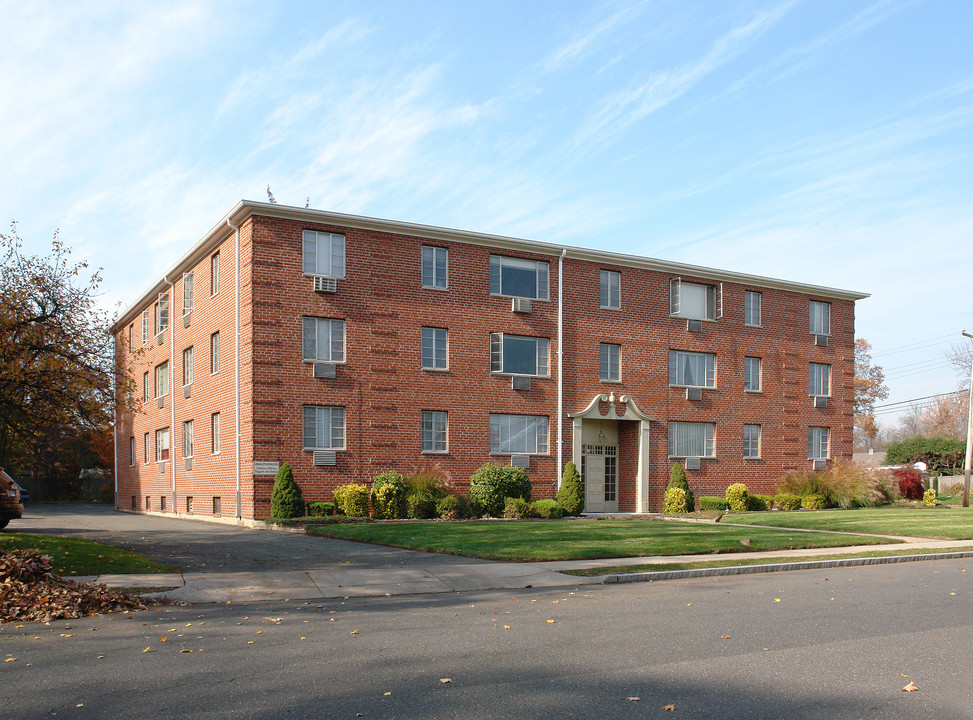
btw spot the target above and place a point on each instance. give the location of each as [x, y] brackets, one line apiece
[911, 687]
[29, 590]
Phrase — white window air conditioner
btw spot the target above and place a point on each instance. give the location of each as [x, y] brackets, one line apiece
[694, 393]
[694, 325]
[325, 457]
[692, 463]
[821, 340]
[521, 461]
[325, 284]
[819, 464]
[521, 305]
[518, 382]
[820, 401]
[324, 370]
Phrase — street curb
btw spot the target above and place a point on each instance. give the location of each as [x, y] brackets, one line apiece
[775, 567]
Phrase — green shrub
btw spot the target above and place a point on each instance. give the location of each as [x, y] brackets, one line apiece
[711, 502]
[286, 500]
[814, 502]
[492, 484]
[757, 503]
[388, 495]
[352, 499]
[787, 501]
[737, 496]
[674, 501]
[515, 508]
[546, 508]
[941, 454]
[422, 491]
[677, 479]
[570, 496]
[930, 498]
[320, 509]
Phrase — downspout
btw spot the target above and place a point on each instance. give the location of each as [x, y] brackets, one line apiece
[114, 385]
[560, 366]
[172, 391]
[236, 360]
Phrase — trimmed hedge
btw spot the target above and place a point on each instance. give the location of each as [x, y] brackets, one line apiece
[545, 508]
[491, 485]
[814, 502]
[674, 501]
[711, 502]
[320, 509]
[787, 501]
[515, 508]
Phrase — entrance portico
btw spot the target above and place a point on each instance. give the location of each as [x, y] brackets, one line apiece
[596, 434]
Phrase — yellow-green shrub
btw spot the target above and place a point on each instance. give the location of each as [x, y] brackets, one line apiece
[814, 502]
[675, 501]
[352, 499]
[930, 498]
[737, 496]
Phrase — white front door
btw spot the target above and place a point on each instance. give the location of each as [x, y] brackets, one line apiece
[601, 478]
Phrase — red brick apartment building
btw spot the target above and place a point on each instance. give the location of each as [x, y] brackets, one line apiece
[346, 346]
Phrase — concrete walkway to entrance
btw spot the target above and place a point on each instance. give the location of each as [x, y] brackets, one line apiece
[225, 563]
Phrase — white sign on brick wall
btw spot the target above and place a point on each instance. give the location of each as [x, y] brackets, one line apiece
[265, 467]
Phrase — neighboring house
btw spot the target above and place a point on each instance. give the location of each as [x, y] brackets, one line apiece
[346, 346]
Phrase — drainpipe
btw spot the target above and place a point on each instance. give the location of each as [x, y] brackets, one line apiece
[114, 410]
[236, 361]
[560, 366]
[172, 392]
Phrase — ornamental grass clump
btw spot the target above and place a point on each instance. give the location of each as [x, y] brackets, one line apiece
[286, 500]
[423, 491]
[845, 485]
[570, 495]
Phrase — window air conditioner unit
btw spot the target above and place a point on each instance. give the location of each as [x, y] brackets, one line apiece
[821, 340]
[694, 325]
[186, 320]
[162, 468]
[694, 393]
[692, 463]
[521, 461]
[325, 457]
[186, 390]
[521, 305]
[819, 464]
[324, 370]
[189, 463]
[161, 402]
[325, 284]
[520, 383]
[820, 401]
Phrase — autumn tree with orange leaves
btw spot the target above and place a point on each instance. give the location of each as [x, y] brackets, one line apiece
[56, 357]
[869, 388]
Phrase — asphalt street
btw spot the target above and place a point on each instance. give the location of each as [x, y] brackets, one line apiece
[822, 644]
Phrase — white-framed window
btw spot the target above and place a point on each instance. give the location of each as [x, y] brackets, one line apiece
[819, 317]
[520, 434]
[435, 267]
[692, 369]
[323, 340]
[188, 439]
[145, 386]
[162, 313]
[434, 348]
[324, 427]
[434, 426]
[131, 451]
[214, 433]
[610, 360]
[214, 353]
[751, 441]
[693, 301]
[162, 445]
[162, 379]
[187, 366]
[751, 308]
[323, 254]
[610, 290]
[187, 293]
[516, 277]
[819, 380]
[751, 374]
[692, 439]
[145, 449]
[519, 355]
[145, 326]
[818, 443]
[214, 273]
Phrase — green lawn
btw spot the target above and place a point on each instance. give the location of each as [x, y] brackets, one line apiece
[580, 539]
[942, 523]
[75, 556]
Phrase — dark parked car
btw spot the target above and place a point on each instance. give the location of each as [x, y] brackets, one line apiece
[24, 495]
[11, 508]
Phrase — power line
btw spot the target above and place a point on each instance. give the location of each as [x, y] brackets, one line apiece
[927, 397]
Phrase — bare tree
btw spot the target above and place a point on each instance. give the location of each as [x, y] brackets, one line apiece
[960, 356]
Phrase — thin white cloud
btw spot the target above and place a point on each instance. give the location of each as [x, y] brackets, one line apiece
[589, 37]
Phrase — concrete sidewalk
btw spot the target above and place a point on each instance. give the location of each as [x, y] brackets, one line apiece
[348, 580]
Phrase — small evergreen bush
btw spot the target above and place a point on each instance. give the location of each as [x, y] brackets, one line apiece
[757, 503]
[711, 502]
[546, 508]
[787, 501]
[515, 508]
[352, 499]
[930, 498]
[570, 495]
[737, 496]
[814, 502]
[320, 509]
[286, 500]
[388, 495]
[492, 484]
[454, 507]
[677, 479]
[910, 482]
[674, 501]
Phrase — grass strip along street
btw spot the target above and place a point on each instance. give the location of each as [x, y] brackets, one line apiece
[76, 556]
[582, 539]
[939, 523]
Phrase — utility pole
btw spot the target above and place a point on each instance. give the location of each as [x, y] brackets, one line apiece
[969, 437]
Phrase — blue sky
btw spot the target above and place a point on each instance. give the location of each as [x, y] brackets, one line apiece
[817, 141]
